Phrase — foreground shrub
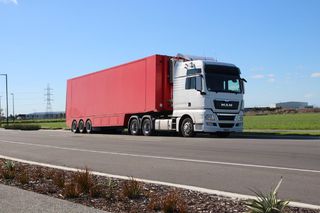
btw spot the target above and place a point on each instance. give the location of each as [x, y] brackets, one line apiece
[22, 126]
[170, 203]
[23, 176]
[83, 180]
[8, 170]
[132, 189]
[97, 191]
[111, 188]
[59, 179]
[267, 203]
[71, 191]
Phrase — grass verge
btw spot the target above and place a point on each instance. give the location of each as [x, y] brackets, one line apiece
[300, 121]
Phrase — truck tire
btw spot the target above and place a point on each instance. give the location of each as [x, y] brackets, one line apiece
[222, 134]
[89, 126]
[74, 127]
[147, 129]
[82, 128]
[186, 128]
[134, 127]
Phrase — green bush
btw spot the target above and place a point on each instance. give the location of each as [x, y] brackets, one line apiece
[22, 126]
[267, 203]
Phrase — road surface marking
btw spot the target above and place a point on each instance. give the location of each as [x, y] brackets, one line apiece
[187, 187]
[165, 158]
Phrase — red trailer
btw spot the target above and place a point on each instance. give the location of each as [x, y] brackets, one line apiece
[159, 93]
[109, 97]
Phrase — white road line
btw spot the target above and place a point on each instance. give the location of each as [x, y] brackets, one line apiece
[165, 158]
[193, 188]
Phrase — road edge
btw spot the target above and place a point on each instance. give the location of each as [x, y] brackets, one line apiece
[187, 187]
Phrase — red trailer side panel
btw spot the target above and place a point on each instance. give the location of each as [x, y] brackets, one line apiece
[107, 96]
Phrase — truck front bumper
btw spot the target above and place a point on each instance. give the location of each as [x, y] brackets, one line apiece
[218, 127]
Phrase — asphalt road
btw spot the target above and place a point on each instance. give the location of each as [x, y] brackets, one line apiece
[229, 164]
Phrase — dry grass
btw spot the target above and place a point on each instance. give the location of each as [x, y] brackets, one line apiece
[84, 181]
[71, 190]
[59, 179]
[23, 176]
[170, 203]
[132, 189]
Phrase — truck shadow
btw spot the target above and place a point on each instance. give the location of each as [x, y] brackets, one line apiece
[269, 136]
[245, 135]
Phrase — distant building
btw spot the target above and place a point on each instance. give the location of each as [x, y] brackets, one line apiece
[46, 115]
[292, 105]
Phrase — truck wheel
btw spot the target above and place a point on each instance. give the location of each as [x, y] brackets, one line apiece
[134, 127]
[81, 127]
[147, 129]
[223, 134]
[187, 128]
[89, 127]
[74, 127]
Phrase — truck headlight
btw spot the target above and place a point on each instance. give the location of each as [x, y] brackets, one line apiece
[209, 117]
[240, 118]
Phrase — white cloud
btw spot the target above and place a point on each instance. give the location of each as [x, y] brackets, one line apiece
[9, 1]
[258, 76]
[268, 77]
[308, 95]
[315, 75]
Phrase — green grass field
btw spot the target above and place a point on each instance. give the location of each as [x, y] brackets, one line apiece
[300, 121]
[45, 124]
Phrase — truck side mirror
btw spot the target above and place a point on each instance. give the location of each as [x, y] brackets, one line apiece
[242, 84]
[199, 83]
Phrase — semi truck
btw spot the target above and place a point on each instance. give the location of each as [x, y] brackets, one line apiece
[185, 94]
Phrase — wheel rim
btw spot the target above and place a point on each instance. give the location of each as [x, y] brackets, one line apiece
[74, 126]
[187, 128]
[134, 127]
[81, 126]
[88, 126]
[146, 127]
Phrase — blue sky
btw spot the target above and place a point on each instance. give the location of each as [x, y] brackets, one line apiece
[275, 43]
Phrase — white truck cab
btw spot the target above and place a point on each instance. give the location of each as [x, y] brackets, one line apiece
[207, 97]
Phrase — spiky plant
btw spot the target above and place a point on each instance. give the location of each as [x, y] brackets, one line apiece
[9, 169]
[267, 203]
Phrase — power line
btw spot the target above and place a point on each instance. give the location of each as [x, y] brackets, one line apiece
[48, 98]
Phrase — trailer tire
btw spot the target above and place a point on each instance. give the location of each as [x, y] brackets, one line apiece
[134, 127]
[82, 128]
[147, 127]
[74, 127]
[89, 126]
[186, 127]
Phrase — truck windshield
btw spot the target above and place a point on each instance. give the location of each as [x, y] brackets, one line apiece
[223, 79]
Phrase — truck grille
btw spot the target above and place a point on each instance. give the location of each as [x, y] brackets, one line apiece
[226, 104]
[226, 117]
[222, 125]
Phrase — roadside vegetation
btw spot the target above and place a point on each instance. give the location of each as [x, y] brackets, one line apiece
[118, 195]
[299, 121]
[31, 124]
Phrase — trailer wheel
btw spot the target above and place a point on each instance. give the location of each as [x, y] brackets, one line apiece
[187, 128]
[74, 127]
[134, 127]
[89, 126]
[81, 127]
[147, 129]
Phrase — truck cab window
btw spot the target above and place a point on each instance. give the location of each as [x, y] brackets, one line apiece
[191, 83]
